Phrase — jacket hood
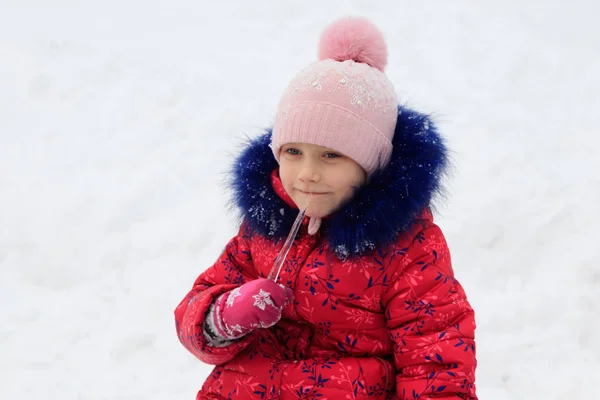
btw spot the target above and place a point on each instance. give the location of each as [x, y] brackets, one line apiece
[387, 205]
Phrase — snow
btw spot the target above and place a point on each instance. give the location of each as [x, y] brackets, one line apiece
[118, 120]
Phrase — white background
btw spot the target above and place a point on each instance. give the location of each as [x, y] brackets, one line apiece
[118, 120]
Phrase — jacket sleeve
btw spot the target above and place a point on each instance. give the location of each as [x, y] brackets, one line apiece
[431, 323]
[233, 268]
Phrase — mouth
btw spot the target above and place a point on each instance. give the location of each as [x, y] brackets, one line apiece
[311, 193]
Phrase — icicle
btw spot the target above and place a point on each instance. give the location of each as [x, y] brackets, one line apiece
[274, 274]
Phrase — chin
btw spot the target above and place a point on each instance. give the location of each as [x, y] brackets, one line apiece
[317, 213]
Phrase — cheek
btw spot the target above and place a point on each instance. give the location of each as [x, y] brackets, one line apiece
[346, 193]
[349, 184]
[286, 175]
[344, 188]
[360, 176]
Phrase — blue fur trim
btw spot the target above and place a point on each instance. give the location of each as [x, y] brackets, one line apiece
[380, 210]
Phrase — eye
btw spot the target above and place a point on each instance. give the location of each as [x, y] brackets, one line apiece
[331, 155]
[292, 151]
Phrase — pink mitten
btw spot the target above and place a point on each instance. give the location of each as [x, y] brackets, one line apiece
[256, 304]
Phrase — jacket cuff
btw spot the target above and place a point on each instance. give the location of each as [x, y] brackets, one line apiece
[210, 331]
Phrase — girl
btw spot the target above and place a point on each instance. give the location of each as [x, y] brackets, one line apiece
[366, 304]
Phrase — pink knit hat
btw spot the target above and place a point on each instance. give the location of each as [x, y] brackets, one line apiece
[344, 101]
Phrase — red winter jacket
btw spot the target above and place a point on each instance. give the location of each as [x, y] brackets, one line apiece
[369, 318]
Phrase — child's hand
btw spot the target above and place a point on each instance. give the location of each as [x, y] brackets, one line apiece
[256, 304]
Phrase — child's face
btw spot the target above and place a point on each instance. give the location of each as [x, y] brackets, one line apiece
[325, 175]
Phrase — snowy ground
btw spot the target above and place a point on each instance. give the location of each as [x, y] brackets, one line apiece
[117, 119]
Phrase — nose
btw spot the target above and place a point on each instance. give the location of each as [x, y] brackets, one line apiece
[309, 172]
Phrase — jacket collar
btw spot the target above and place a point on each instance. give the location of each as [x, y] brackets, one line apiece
[381, 209]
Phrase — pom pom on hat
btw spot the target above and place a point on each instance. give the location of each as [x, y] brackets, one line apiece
[354, 38]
